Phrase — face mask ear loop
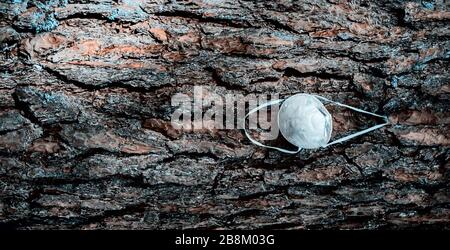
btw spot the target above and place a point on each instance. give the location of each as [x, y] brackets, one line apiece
[270, 103]
[345, 138]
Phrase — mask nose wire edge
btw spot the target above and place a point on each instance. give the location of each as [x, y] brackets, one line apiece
[348, 137]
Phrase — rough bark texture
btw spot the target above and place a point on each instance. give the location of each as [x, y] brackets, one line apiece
[85, 135]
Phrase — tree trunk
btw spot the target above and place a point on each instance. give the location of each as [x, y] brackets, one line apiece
[86, 140]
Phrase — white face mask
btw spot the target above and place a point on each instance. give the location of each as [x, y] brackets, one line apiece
[304, 121]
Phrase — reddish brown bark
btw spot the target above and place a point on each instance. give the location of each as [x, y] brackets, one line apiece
[85, 134]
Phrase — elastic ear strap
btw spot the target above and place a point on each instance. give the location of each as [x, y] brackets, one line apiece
[357, 110]
[270, 103]
[348, 137]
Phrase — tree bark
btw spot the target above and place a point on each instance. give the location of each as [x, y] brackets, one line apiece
[86, 140]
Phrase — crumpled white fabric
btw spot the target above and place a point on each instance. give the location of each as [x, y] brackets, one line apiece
[305, 122]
